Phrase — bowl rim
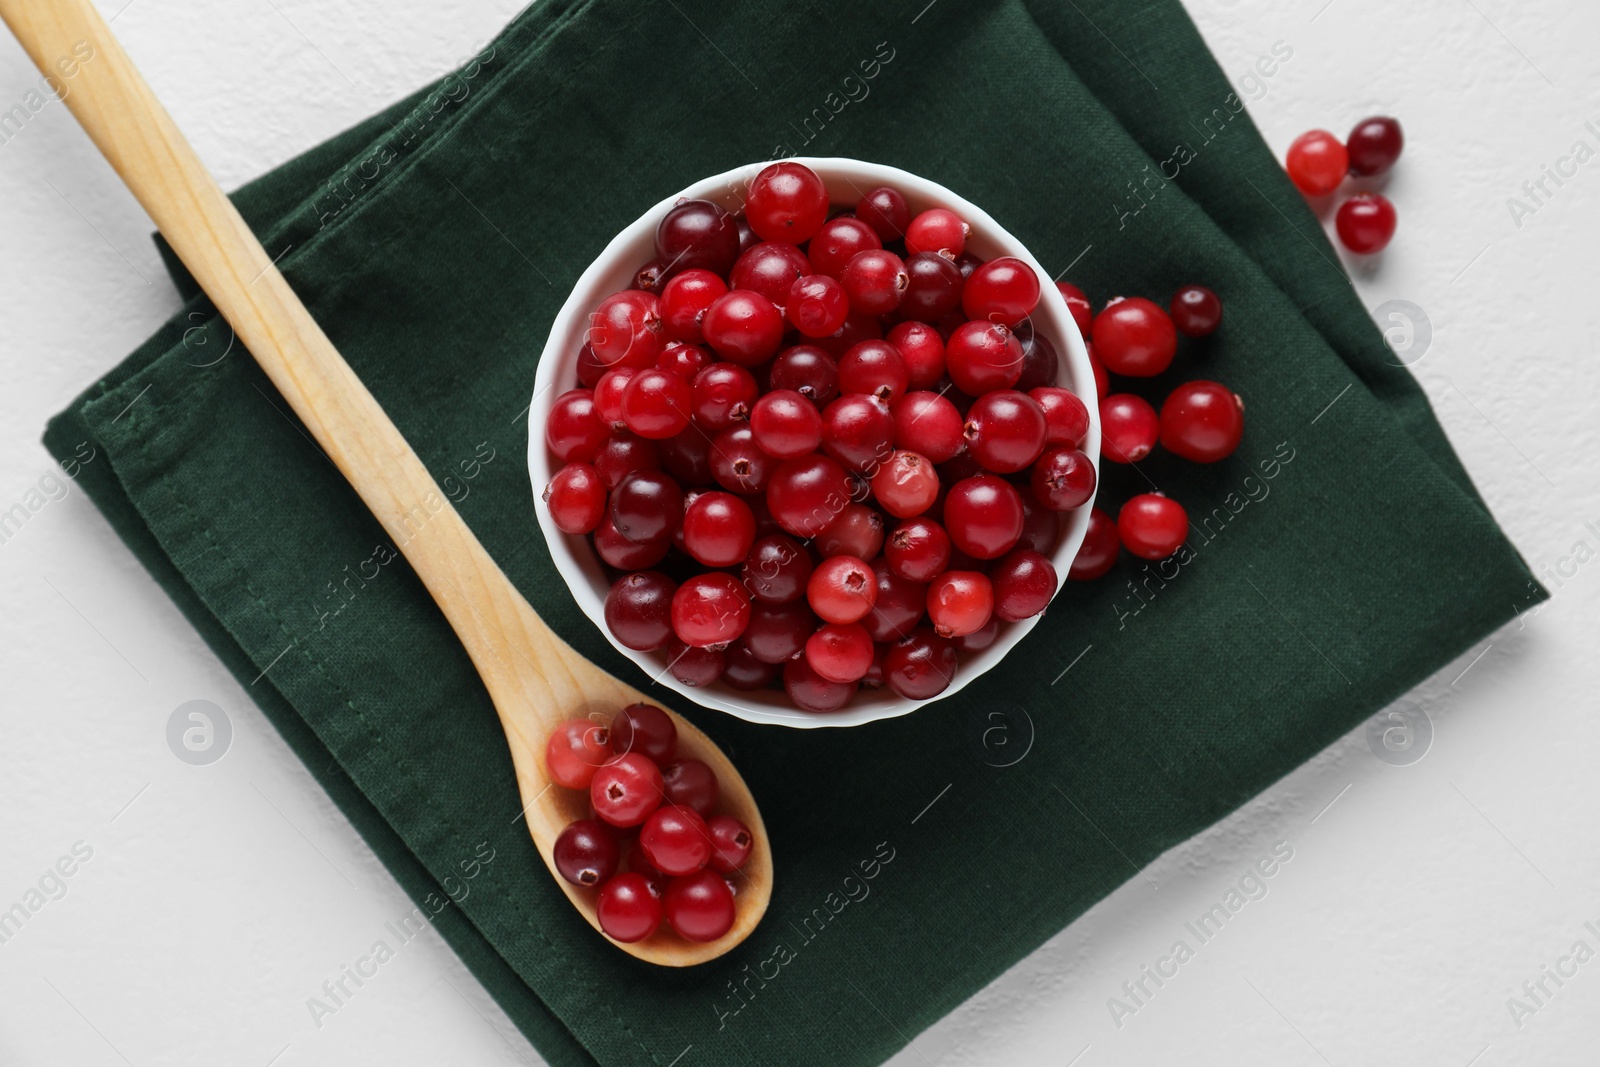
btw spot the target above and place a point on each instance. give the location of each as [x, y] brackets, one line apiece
[582, 571]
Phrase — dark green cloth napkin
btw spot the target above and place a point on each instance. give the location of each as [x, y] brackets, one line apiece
[1340, 556]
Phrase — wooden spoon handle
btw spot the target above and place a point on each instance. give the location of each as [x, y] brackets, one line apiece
[517, 655]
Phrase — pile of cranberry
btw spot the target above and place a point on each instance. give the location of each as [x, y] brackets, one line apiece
[679, 866]
[1318, 163]
[1201, 421]
[819, 447]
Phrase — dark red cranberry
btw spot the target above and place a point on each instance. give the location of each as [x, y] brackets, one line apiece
[807, 494]
[1004, 290]
[899, 605]
[933, 287]
[981, 638]
[675, 840]
[840, 652]
[697, 234]
[1099, 550]
[777, 633]
[1374, 146]
[1041, 527]
[981, 356]
[983, 516]
[743, 671]
[638, 610]
[808, 370]
[1196, 311]
[786, 202]
[576, 497]
[574, 431]
[645, 729]
[786, 424]
[626, 329]
[837, 242]
[885, 210]
[687, 457]
[858, 431]
[770, 268]
[684, 301]
[1024, 581]
[1202, 421]
[917, 550]
[1005, 430]
[1152, 526]
[810, 691]
[1128, 428]
[723, 394]
[586, 853]
[731, 843]
[694, 667]
[1366, 223]
[875, 280]
[627, 910]
[626, 555]
[920, 665]
[928, 423]
[856, 328]
[700, 906]
[874, 368]
[858, 531]
[737, 462]
[817, 305]
[1066, 418]
[589, 367]
[1063, 478]
[1041, 365]
[651, 277]
[646, 507]
[777, 569]
[922, 351]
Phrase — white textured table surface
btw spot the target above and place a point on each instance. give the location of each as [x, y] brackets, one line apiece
[1420, 898]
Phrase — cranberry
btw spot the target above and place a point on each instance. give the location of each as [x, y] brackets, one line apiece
[608, 394]
[777, 570]
[684, 302]
[807, 494]
[589, 367]
[900, 604]
[787, 202]
[626, 329]
[920, 665]
[837, 243]
[906, 484]
[656, 404]
[647, 507]
[983, 516]
[586, 853]
[743, 327]
[817, 305]
[959, 602]
[808, 370]
[626, 789]
[856, 328]
[577, 498]
[1202, 421]
[1374, 146]
[933, 287]
[1196, 311]
[1024, 581]
[874, 368]
[685, 361]
[575, 750]
[639, 611]
[928, 423]
[917, 549]
[840, 652]
[842, 589]
[770, 268]
[675, 840]
[981, 638]
[718, 529]
[810, 691]
[1065, 416]
[1041, 365]
[1078, 304]
[1128, 428]
[723, 394]
[731, 843]
[687, 457]
[875, 280]
[981, 356]
[743, 671]
[627, 909]
[1004, 290]
[710, 609]
[858, 531]
[651, 277]
[937, 230]
[697, 234]
[694, 667]
[1098, 553]
[1040, 527]
[1317, 162]
[690, 783]
[626, 555]
[1005, 430]
[786, 424]
[738, 463]
[574, 431]
[1152, 526]
[776, 633]
[700, 906]
[1365, 223]
[858, 431]
[885, 210]
[1063, 479]
[1134, 336]
[922, 350]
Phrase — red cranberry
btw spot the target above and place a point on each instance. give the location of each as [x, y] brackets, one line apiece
[723, 394]
[817, 305]
[770, 268]
[981, 356]
[1005, 430]
[656, 404]
[731, 843]
[933, 287]
[808, 370]
[576, 749]
[1024, 581]
[743, 671]
[917, 549]
[1365, 223]
[1063, 478]
[718, 529]
[810, 691]
[874, 368]
[900, 604]
[690, 783]
[927, 423]
[787, 202]
[627, 910]
[738, 463]
[1202, 421]
[684, 302]
[626, 789]
[981, 638]
[842, 589]
[1152, 526]
[920, 665]
[1041, 365]
[589, 367]
[586, 853]
[651, 277]
[626, 329]
[675, 840]
[1374, 146]
[1196, 311]
[856, 328]
[1101, 543]
[840, 652]
[710, 609]
[577, 498]
[685, 361]
[858, 531]
[700, 906]
[1065, 416]
[1128, 428]
[1078, 304]
[777, 569]
[959, 602]
[625, 555]
[875, 280]
[983, 516]
[1317, 162]
[837, 242]
[639, 611]
[687, 457]
[697, 234]
[777, 633]
[1134, 336]
[1004, 290]
[858, 431]
[646, 507]
[807, 494]
[922, 350]
[743, 327]
[608, 394]
[574, 430]
[885, 210]
[694, 667]
[906, 485]
[786, 424]
[937, 230]
[1040, 527]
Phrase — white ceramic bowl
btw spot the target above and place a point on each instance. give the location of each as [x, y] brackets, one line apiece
[846, 180]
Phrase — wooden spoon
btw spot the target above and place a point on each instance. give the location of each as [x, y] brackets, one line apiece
[535, 679]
